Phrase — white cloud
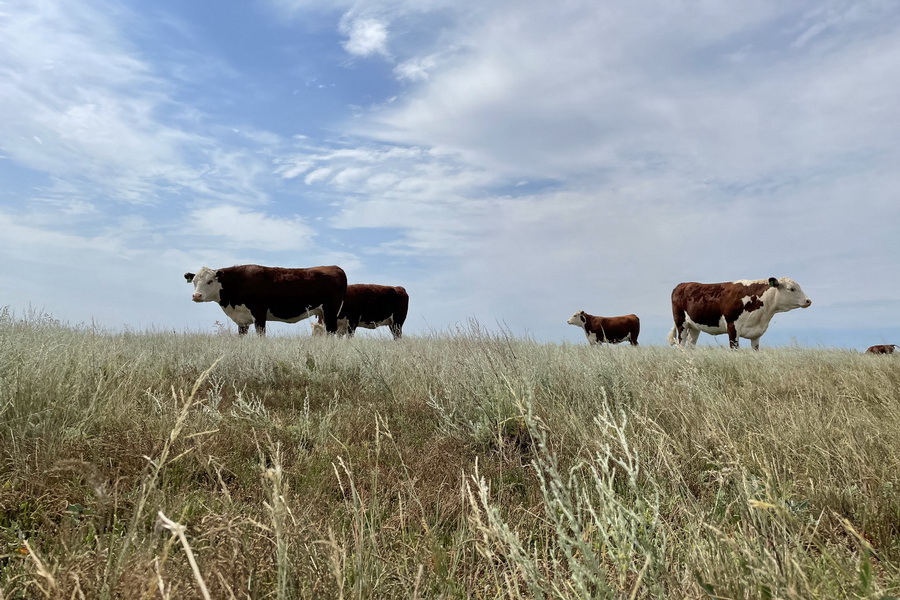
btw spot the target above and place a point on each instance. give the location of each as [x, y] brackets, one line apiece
[416, 69]
[316, 176]
[365, 36]
[563, 91]
[244, 228]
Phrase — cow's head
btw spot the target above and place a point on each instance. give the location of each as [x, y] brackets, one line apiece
[788, 295]
[206, 285]
[577, 319]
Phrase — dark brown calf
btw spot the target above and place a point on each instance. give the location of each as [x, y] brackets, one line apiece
[610, 330]
[369, 306]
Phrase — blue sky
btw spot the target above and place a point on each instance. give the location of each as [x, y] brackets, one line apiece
[511, 161]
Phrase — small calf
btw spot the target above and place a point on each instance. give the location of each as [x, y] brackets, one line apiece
[610, 330]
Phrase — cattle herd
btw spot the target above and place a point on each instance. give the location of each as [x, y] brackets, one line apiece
[253, 295]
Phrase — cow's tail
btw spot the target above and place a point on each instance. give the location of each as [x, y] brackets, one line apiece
[672, 339]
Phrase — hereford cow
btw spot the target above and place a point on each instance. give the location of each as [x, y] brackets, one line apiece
[742, 309]
[368, 305]
[251, 294]
[882, 349]
[611, 330]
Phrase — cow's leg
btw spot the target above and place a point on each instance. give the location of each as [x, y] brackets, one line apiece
[259, 321]
[243, 329]
[679, 327]
[732, 336]
[330, 317]
[396, 330]
[352, 324]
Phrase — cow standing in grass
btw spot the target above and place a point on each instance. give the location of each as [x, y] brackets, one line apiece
[742, 309]
[369, 306]
[253, 294]
[610, 330]
[882, 349]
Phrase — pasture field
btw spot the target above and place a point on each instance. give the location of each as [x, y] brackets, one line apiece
[463, 465]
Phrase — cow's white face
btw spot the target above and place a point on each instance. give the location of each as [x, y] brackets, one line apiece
[206, 286]
[577, 319]
[788, 295]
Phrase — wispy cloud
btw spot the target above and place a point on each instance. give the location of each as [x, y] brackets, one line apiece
[241, 227]
[91, 111]
[416, 69]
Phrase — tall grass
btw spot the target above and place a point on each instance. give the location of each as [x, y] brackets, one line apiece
[466, 465]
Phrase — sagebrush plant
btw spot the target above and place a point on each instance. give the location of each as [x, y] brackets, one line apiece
[470, 464]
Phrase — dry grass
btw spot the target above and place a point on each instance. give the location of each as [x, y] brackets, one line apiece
[472, 465]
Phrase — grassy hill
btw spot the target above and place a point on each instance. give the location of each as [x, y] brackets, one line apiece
[470, 465]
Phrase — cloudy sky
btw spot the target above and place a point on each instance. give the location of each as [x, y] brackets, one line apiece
[511, 161]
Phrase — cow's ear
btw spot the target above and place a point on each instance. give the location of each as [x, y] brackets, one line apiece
[773, 282]
[189, 277]
[219, 275]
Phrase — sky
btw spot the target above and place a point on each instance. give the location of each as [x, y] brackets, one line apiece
[510, 162]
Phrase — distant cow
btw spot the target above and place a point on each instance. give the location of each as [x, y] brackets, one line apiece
[610, 330]
[369, 306]
[251, 294]
[742, 309]
[882, 349]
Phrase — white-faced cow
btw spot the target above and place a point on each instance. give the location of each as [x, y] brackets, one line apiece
[742, 309]
[251, 294]
[882, 349]
[369, 306]
[610, 330]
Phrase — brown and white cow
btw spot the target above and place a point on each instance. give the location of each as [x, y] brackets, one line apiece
[742, 309]
[882, 349]
[610, 330]
[369, 306]
[252, 294]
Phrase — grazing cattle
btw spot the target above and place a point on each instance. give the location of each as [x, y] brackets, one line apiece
[882, 349]
[610, 330]
[742, 309]
[369, 306]
[251, 294]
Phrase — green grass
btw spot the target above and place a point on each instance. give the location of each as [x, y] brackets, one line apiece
[471, 465]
